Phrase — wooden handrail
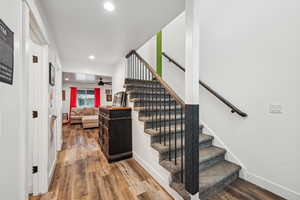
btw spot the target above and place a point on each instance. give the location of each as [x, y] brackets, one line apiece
[233, 108]
[157, 77]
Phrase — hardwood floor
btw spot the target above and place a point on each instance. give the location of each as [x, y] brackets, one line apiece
[243, 190]
[83, 173]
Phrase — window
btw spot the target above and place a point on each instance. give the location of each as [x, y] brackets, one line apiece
[85, 98]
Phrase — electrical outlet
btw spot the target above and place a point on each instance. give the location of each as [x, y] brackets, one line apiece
[275, 108]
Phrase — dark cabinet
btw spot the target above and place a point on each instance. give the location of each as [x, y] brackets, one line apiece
[115, 132]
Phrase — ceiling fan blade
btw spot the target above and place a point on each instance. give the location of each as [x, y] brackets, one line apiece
[107, 82]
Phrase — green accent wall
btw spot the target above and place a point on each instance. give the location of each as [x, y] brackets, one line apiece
[159, 53]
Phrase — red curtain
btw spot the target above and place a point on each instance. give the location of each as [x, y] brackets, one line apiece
[73, 98]
[97, 97]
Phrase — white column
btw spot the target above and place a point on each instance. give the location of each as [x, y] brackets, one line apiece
[192, 52]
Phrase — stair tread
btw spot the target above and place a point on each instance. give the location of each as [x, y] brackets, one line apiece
[165, 148]
[205, 154]
[155, 132]
[143, 86]
[152, 99]
[133, 91]
[216, 174]
[155, 108]
[160, 117]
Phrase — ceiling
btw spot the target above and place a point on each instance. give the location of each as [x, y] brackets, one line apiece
[84, 27]
[81, 78]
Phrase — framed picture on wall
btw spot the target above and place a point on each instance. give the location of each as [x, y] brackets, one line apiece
[51, 74]
[109, 98]
[108, 92]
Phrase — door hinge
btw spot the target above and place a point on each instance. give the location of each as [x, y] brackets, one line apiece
[35, 169]
[35, 59]
[35, 114]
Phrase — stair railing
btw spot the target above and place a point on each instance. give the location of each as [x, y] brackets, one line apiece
[233, 108]
[176, 123]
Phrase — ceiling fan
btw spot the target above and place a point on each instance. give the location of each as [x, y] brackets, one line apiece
[101, 83]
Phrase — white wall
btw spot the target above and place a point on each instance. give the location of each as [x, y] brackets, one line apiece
[88, 68]
[119, 77]
[12, 113]
[67, 86]
[249, 55]
[173, 43]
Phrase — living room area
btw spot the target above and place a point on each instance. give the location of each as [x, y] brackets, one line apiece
[82, 95]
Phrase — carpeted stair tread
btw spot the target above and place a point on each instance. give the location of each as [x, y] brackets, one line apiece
[162, 100]
[134, 91]
[153, 108]
[161, 148]
[216, 174]
[149, 86]
[154, 132]
[160, 118]
[205, 154]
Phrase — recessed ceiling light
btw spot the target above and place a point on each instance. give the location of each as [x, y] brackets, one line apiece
[109, 6]
[66, 79]
[92, 57]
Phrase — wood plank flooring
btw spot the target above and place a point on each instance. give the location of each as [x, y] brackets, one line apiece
[243, 190]
[83, 173]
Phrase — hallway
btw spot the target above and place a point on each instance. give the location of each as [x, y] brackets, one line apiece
[82, 173]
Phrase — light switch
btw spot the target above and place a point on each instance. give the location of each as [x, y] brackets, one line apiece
[275, 108]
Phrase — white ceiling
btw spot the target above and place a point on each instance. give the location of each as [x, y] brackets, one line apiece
[69, 78]
[83, 27]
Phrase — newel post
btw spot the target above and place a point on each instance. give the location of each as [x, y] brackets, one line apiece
[192, 120]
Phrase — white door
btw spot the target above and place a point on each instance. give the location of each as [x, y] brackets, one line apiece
[35, 102]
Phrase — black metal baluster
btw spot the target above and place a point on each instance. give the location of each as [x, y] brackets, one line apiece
[160, 111]
[165, 116]
[152, 124]
[133, 62]
[175, 104]
[181, 141]
[156, 125]
[169, 127]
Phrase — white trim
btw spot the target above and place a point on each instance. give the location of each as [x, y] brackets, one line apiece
[273, 187]
[44, 144]
[50, 177]
[157, 176]
[35, 12]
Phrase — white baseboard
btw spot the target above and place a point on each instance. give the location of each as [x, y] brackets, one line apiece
[164, 183]
[273, 187]
[51, 172]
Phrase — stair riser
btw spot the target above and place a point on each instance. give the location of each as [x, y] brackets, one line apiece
[165, 155]
[146, 96]
[177, 176]
[154, 124]
[147, 89]
[153, 113]
[154, 103]
[156, 138]
[219, 187]
[140, 82]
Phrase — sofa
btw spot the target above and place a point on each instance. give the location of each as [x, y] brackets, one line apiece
[88, 117]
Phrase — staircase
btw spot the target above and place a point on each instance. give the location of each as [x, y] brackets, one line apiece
[168, 121]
